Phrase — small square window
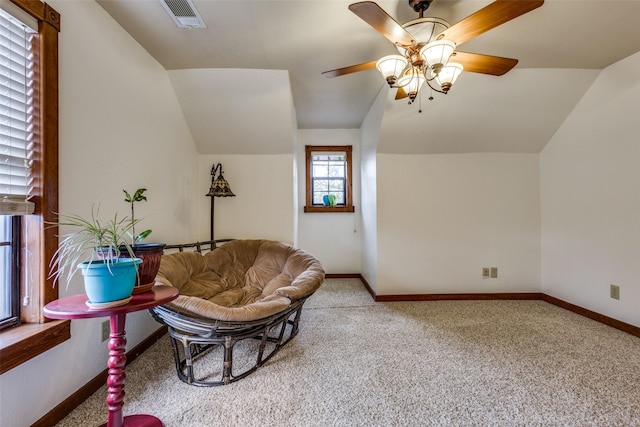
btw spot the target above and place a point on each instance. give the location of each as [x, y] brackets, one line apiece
[328, 171]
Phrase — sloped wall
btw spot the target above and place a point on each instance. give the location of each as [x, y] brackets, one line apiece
[237, 111]
[121, 127]
[590, 198]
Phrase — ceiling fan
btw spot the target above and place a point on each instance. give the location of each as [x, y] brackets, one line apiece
[427, 45]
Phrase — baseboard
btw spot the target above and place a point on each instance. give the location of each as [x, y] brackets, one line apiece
[69, 404]
[460, 297]
[614, 323]
[609, 321]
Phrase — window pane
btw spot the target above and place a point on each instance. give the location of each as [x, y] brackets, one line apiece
[336, 185]
[320, 170]
[328, 171]
[5, 268]
[320, 185]
[328, 177]
[9, 290]
[336, 169]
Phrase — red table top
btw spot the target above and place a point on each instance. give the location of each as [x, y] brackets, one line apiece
[75, 307]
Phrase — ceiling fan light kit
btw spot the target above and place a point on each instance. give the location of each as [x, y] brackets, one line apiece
[391, 66]
[412, 70]
[411, 83]
[437, 54]
[427, 44]
[448, 75]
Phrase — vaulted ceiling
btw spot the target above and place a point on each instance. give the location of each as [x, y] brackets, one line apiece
[561, 47]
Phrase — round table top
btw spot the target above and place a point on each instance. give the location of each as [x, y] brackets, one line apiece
[75, 306]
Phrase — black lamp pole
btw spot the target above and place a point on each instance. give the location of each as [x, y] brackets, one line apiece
[212, 192]
[212, 203]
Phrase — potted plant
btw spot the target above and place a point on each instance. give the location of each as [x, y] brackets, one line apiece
[100, 249]
[149, 253]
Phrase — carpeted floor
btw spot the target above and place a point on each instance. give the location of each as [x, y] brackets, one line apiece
[452, 363]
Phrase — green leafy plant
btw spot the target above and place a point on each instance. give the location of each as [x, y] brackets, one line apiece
[137, 196]
[93, 239]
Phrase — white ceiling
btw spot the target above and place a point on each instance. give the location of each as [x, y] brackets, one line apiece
[560, 47]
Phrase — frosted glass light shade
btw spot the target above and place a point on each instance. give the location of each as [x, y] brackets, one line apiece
[448, 75]
[438, 52]
[411, 82]
[391, 67]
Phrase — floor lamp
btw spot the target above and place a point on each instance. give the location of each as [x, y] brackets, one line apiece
[219, 188]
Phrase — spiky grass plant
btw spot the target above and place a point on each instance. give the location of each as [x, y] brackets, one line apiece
[94, 239]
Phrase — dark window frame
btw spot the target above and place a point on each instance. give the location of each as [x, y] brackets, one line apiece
[36, 334]
[348, 205]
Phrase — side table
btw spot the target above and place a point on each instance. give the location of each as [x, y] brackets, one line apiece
[75, 307]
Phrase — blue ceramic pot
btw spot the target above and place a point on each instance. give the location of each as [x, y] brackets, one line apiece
[112, 282]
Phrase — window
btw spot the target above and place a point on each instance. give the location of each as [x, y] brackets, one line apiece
[16, 106]
[37, 243]
[328, 179]
[9, 273]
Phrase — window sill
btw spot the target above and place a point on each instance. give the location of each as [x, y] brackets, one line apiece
[23, 342]
[331, 209]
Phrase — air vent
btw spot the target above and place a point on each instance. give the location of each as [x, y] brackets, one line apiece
[183, 13]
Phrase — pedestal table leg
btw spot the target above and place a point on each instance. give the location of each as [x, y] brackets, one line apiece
[115, 380]
[116, 375]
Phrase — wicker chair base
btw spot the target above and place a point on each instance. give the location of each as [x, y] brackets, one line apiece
[193, 338]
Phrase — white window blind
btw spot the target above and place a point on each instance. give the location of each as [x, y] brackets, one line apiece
[15, 115]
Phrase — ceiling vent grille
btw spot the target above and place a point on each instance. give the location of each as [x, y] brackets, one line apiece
[183, 13]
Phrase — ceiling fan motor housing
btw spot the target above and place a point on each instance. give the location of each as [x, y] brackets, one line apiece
[420, 5]
[424, 31]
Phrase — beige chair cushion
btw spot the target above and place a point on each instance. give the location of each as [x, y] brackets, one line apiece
[242, 280]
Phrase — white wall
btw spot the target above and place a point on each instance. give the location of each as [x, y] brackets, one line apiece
[590, 198]
[333, 238]
[442, 218]
[263, 205]
[236, 111]
[370, 135]
[121, 127]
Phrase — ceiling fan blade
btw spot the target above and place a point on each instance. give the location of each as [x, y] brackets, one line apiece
[489, 17]
[400, 94]
[484, 64]
[375, 16]
[351, 69]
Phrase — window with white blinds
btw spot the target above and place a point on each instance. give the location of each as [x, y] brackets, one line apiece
[15, 114]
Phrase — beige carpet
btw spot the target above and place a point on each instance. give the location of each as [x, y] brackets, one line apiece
[452, 363]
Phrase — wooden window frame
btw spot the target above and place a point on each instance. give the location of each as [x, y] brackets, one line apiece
[37, 334]
[348, 206]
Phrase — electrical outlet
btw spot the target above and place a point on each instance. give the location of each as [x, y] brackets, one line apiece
[486, 273]
[494, 272]
[614, 291]
[106, 330]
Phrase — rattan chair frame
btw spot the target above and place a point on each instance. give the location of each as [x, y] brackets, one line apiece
[192, 337]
